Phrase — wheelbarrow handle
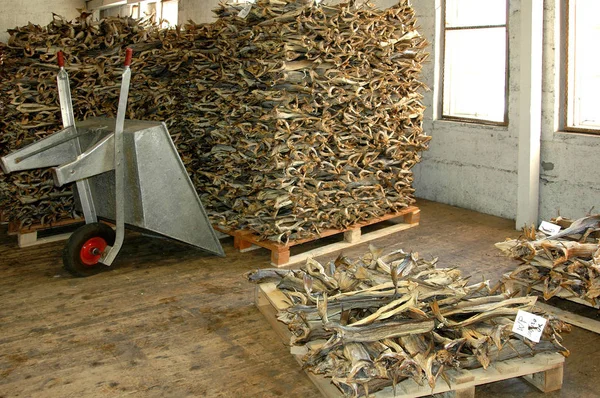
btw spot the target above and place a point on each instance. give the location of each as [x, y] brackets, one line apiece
[61, 59]
[128, 56]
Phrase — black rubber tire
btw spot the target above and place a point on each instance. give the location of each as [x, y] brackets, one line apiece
[71, 253]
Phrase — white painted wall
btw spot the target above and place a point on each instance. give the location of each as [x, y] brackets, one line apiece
[199, 11]
[570, 171]
[475, 166]
[15, 13]
[468, 165]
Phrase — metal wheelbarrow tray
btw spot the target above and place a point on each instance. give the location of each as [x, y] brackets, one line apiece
[128, 171]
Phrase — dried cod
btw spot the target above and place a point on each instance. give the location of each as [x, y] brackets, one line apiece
[387, 318]
[297, 118]
[558, 266]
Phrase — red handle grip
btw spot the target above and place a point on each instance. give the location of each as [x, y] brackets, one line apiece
[128, 56]
[61, 59]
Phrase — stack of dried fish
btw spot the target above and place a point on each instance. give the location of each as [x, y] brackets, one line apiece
[385, 318]
[31, 110]
[321, 116]
[570, 268]
[296, 118]
[4, 185]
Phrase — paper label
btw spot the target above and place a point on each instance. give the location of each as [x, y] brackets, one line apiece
[529, 325]
[548, 228]
[245, 11]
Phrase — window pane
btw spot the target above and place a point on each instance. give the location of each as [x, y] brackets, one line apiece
[475, 74]
[584, 60]
[475, 13]
[169, 13]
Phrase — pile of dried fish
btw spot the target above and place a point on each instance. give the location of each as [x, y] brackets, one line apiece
[30, 108]
[376, 321]
[295, 118]
[322, 116]
[569, 268]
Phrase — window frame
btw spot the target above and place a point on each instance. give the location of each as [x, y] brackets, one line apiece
[565, 38]
[442, 116]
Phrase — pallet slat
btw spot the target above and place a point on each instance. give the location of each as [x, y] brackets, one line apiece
[280, 253]
[28, 236]
[544, 371]
[565, 316]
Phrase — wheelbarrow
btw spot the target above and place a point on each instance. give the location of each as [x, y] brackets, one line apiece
[125, 171]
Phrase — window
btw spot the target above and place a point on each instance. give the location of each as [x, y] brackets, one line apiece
[475, 61]
[583, 82]
[169, 13]
[161, 12]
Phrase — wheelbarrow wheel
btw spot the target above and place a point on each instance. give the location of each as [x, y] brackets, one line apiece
[85, 247]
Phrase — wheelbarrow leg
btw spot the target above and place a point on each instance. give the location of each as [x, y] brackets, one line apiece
[120, 164]
[68, 119]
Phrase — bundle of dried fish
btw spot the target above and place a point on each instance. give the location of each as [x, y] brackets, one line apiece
[321, 116]
[297, 118]
[559, 266]
[30, 108]
[373, 322]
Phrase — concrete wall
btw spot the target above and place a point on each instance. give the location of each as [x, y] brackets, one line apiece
[199, 11]
[475, 166]
[468, 165]
[570, 171]
[20, 12]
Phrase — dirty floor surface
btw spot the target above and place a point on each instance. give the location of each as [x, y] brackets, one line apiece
[170, 321]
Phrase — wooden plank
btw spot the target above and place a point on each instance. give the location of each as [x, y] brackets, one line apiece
[505, 368]
[325, 386]
[28, 239]
[280, 253]
[13, 228]
[274, 296]
[344, 245]
[250, 249]
[61, 223]
[28, 236]
[460, 376]
[413, 217]
[270, 313]
[31, 239]
[574, 319]
[512, 283]
[280, 258]
[328, 232]
[566, 316]
[547, 381]
[468, 392]
[568, 296]
[352, 236]
[411, 213]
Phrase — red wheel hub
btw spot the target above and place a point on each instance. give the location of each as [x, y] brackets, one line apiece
[92, 251]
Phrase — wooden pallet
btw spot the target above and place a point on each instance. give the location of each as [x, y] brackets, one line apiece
[28, 236]
[583, 322]
[280, 253]
[544, 371]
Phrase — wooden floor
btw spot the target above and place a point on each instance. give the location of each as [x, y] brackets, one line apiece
[170, 321]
